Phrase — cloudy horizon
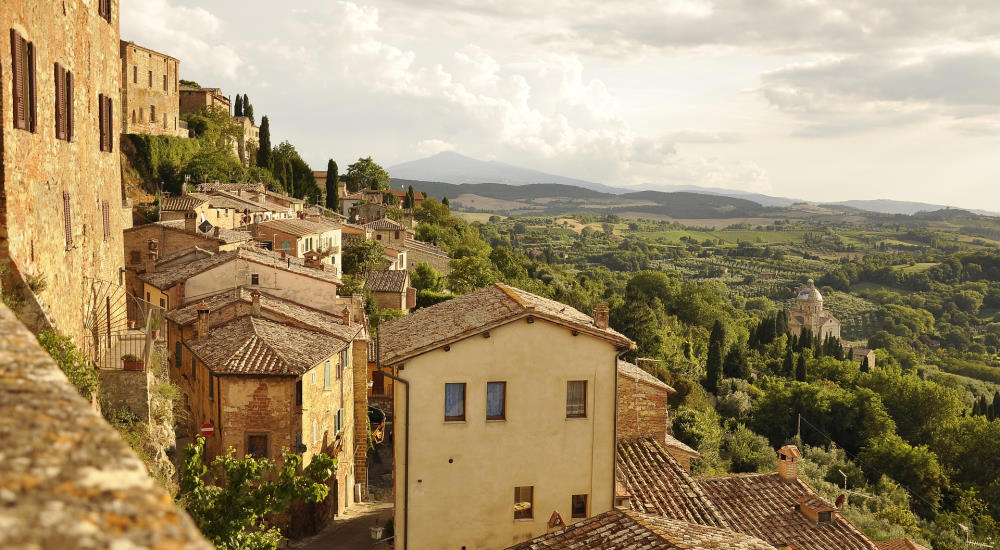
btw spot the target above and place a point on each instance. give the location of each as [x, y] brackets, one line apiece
[820, 100]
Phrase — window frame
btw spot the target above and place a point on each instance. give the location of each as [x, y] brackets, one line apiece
[529, 513]
[568, 394]
[572, 506]
[455, 418]
[267, 444]
[326, 374]
[503, 402]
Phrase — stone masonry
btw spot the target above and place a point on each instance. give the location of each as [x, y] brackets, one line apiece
[150, 92]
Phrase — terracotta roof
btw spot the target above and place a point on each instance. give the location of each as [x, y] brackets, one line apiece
[257, 346]
[638, 374]
[293, 226]
[417, 195]
[287, 310]
[766, 506]
[659, 485]
[384, 224]
[182, 203]
[629, 530]
[167, 278]
[899, 544]
[465, 315]
[184, 256]
[388, 280]
[226, 236]
[244, 203]
[283, 197]
[413, 244]
[673, 443]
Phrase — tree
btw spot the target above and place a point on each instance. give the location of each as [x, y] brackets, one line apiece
[411, 198]
[788, 364]
[229, 514]
[915, 468]
[264, 151]
[864, 365]
[470, 273]
[800, 368]
[713, 366]
[366, 174]
[238, 107]
[248, 109]
[735, 365]
[445, 202]
[332, 189]
[362, 256]
[425, 277]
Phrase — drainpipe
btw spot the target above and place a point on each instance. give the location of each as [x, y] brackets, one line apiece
[614, 435]
[406, 470]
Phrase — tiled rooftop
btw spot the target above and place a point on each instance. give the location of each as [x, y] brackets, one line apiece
[661, 486]
[388, 280]
[384, 224]
[900, 544]
[413, 244]
[182, 203]
[293, 226]
[257, 346]
[493, 305]
[637, 373]
[167, 278]
[225, 236]
[629, 530]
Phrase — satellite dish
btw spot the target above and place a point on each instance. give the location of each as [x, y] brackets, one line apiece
[205, 227]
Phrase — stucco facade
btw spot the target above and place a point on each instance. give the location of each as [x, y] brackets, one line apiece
[150, 92]
[455, 481]
[60, 189]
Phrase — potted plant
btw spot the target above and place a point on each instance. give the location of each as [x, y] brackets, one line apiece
[131, 324]
[132, 362]
[154, 328]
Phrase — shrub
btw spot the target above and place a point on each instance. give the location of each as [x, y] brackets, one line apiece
[74, 364]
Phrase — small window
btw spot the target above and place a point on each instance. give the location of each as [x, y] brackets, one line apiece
[523, 502]
[152, 114]
[257, 445]
[312, 377]
[255, 278]
[579, 506]
[496, 396]
[150, 79]
[135, 75]
[194, 369]
[298, 393]
[135, 257]
[106, 214]
[163, 303]
[576, 399]
[177, 354]
[104, 9]
[63, 103]
[326, 374]
[338, 421]
[454, 402]
[164, 83]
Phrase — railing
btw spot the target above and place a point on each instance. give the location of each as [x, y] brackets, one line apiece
[121, 328]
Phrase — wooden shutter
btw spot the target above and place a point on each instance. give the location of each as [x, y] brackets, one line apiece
[69, 106]
[60, 81]
[32, 110]
[106, 212]
[17, 62]
[100, 117]
[109, 115]
[67, 220]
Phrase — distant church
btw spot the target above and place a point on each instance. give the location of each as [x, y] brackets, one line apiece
[808, 313]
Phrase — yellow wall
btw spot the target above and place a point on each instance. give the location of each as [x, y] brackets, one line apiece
[469, 502]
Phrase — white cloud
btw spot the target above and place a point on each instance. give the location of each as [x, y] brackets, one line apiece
[429, 147]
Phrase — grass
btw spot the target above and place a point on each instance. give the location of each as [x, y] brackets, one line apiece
[915, 268]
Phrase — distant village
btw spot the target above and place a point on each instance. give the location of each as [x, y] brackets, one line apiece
[498, 418]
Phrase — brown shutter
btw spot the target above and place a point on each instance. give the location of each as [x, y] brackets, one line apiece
[31, 87]
[109, 114]
[100, 122]
[106, 212]
[17, 61]
[69, 106]
[60, 102]
[67, 220]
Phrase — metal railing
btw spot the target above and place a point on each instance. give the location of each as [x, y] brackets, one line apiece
[121, 329]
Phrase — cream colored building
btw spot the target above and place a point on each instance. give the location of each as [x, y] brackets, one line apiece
[808, 313]
[513, 417]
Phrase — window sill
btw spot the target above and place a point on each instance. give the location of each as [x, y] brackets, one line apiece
[454, 421]
[570, 418]
[521, 520]
[488, 420]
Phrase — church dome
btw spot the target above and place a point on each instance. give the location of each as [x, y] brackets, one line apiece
[809, 293]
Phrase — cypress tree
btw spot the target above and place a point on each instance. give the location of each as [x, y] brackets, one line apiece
[713, 366]
[800, 368]
[248, 109]
[996, 405]
[864, 365]
[781, 325]
[735, 365]
[238, 107]
[332, 192]
[264, 151]
[411, 198]
[445, 202]
[788, 364]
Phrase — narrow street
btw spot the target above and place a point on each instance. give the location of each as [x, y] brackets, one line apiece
[350, 530]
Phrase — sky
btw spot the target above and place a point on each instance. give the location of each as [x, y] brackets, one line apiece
[823, 100]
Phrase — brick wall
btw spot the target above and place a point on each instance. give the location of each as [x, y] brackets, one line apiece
[359, 360]
[139, 93]
[642, 409]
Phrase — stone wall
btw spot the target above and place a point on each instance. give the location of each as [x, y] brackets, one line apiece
[150, 94]
[359, 362]
[416, 255]
[642, 409]
[66, 479]
[49, 185]
[129, 389]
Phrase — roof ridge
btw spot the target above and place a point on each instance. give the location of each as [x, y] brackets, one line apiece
[513, 295]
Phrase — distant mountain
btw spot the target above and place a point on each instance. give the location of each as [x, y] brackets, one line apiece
[889, 206]
[451, 167]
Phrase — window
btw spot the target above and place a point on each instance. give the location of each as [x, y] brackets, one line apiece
[135, 257]
[257, 445]
[579, 506]
[298, 393]
[163, 303]
[326, 374]
[23, 65]
[135, 75]
[150, 79]
[104, 9]
[177, 354]
[454, 402]
[523, 500]
[67, 220]
[576, 399]
[164, 83]
[255, 278]
[312, 377]
[164, 121]
[496, 396]
[64, 103]
[338, 421]
[152, 114]
[106, 118]
[142, 114]
[106, 214]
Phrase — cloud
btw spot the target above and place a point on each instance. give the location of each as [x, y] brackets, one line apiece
[430, 147]
[180, 31]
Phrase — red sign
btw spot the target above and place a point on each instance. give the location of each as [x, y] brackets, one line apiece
[207, 429]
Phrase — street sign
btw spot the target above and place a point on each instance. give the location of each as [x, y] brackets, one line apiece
[207, 429]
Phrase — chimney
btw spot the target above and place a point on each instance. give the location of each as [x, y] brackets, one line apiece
[555, 522]
[815, 509]
[203, 312]
[602, 315]
[346, 316]
[788, 462]
[191, 221]
[150, 264]
[255, 300]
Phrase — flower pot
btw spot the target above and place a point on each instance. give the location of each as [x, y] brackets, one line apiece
[154, 333]
[133, 365]
[376, 532]
[131, 324]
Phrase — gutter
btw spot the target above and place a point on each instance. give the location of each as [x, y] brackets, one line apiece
[406, 469]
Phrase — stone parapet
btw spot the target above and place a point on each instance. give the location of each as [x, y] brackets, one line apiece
[66, 479]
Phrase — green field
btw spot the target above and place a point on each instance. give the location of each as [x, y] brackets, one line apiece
[915, 268]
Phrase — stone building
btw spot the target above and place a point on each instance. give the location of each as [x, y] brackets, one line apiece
[61, 217]
[268, 374]
[808, 313]
[218, 210]
[298, 237]
[193, 99]
[247, 141]
[420, 252]
[150, 92]
[391, 289]
[493, 441]
[389, 233]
